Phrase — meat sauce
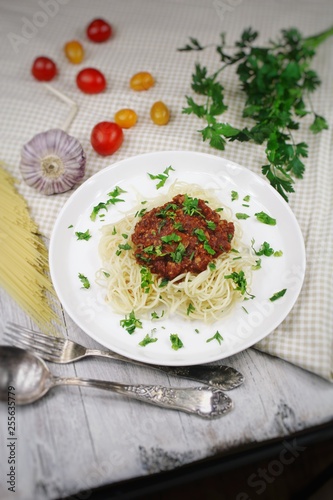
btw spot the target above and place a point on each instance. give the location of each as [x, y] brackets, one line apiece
[181, 236]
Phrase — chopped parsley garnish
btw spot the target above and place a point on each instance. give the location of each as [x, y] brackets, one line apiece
[114, 230]
[147, 340]
[154, 315]
[211, 225]
[164, 282]
[176, 343]
[83, 236]
[212, 266]
[190, 206]
[69, 227]
[190, 309]
[112, 200]
[234, 195]
[278, 295]
[265, 218]
[84, 280]
[247, 312]
[140, 213]
[168, 211]
[170, 237]
[146, 279]
[130, 323]
[200, 234]
[196, 330]
[178, 254]
[208, 248]
[240, 281]
[106, 274]
[123, 246]
[178, 226]
[161, 177]
[116, 192]
[246, 198]
[257, 265]
[241, 215]
[266, 250]
[217, 337]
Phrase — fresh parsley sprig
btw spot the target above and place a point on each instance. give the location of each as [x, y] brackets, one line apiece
[277, 81]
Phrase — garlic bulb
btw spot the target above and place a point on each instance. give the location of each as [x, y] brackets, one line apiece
[52, 162]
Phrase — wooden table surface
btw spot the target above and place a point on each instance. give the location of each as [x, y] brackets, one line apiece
[77, 439]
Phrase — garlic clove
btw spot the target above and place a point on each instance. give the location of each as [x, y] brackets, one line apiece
[52, 162]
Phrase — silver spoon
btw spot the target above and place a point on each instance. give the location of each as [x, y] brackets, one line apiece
[30, 379]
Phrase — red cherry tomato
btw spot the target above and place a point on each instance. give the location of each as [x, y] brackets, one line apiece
[91, 81]
[44, 69]
[99, 31]
[106, 138]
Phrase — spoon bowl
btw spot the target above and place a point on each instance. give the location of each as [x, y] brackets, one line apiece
[27, 374]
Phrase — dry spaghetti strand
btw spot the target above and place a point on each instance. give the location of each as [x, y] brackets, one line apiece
[24, 270]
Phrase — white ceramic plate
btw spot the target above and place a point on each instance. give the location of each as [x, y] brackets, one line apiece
[240, 329]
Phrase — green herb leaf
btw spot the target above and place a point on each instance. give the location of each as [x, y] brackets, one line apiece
[169, 238]
[112, 200]
[146, 279]
[190, 309]
[265, 218]
[234, 195]
[240, 215]
[130, 323]
[83, 236]
[190, 206]
[211, 225]
[217, 337]
[278, 295]
[240, 281]
[176, 343]
[318, 124]
[84, 280]
[154, 315]
[162, 178]
[147, 340]
[178, 254]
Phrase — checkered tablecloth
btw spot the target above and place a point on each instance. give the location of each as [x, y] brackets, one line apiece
[146, 36]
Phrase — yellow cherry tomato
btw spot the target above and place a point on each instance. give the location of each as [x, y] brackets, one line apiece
[142, 81]
[159, 113]
[126, 118]
[74, 52]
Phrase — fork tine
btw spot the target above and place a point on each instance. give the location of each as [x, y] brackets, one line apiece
[36, 350]
[36, 336]
[50, 339]
[34, 341]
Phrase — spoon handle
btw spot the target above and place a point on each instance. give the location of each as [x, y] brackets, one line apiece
[222, 377]
[206, 402]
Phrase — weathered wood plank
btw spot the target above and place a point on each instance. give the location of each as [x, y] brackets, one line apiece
[80, 438]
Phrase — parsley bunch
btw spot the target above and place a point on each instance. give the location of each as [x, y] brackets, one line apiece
[277, 82]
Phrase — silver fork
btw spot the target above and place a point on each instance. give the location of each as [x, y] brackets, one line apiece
[59, 350]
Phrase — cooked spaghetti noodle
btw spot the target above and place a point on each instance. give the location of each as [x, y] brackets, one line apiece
[131, 287]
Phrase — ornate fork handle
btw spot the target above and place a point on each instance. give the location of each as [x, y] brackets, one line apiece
[206, 402]
[222, 377]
